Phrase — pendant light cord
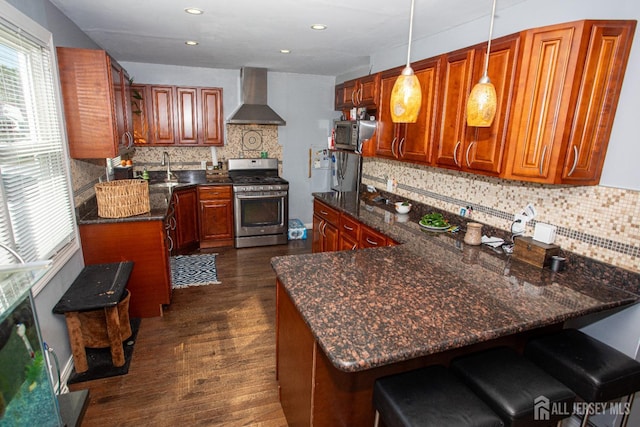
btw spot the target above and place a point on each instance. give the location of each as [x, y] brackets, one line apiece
[486, 59]
[410, 32]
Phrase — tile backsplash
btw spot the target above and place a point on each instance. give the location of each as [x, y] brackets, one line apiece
[597, 222]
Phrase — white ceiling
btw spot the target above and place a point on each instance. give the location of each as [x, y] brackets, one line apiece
[237, 33]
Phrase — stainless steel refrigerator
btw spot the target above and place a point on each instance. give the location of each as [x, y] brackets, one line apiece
[346, 170]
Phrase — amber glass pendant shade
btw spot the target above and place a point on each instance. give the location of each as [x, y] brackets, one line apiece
[481, 105]
[406, 98]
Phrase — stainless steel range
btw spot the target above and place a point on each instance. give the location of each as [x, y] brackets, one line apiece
[261, 202]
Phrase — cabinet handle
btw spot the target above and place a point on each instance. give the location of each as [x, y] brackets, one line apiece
[354, 247]
[360, 95]
[400, 146]
[324, 227]
[347, 227]
[575, 160]
[353, 100]
[467, 153]
[393, 143]
[544, 152]
[170, 243]
[371, 242]
[455, 154]
[324, 213]
[130, 136]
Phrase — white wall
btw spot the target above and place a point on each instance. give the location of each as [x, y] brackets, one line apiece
[620, 169]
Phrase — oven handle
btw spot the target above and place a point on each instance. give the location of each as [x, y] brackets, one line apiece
[260, 196]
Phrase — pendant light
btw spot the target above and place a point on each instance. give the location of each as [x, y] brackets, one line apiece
[482, 103]
[406, 96]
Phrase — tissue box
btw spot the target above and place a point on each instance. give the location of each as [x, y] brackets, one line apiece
[297, 230]
[545, 233]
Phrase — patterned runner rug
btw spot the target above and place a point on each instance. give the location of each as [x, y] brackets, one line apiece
[193, 270]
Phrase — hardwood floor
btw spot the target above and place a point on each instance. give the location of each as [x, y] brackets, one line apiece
[210, 360]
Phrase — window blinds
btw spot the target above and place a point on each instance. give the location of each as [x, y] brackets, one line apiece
[36, 213]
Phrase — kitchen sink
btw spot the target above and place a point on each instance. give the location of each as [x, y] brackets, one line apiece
[165, 184]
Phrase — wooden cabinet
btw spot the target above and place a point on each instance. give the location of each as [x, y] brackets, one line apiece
[361, 92]
[570, 80]
[370, 238]
[325, 228]
[140, 104]
[409, 141]
[179, 116]
[216, 215]
[96, 102]
[184, 205]
[339, 97]
[146, 246]
[349, 233]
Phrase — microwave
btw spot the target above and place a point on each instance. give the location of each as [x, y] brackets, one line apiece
[351, 134]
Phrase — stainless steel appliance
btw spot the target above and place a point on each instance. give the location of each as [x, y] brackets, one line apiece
[346, 170]
[261, 202]
[351, 134]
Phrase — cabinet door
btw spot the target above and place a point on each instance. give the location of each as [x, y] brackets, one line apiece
[118, 104]
[210, 117]
[367, 92]
[186, 214]
[339, 97]
[417, 138]
[350, 93]
[456, 85]
[128, 113]
[316, 234]
[549, 65]
[330, 237]
[162, 115]
[484, 146]
[216, 219]
[187, 123]
[347, 243]
[600, 86]
[387, 132]
[88, 96]
[140, 113]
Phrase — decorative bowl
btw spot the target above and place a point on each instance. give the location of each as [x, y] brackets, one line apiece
[403, 207]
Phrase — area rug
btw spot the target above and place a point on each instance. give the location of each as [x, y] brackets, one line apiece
[193, 270]
[100, 363]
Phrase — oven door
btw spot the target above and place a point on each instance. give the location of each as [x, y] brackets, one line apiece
[260, 213]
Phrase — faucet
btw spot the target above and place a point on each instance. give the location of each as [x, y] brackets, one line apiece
[167, 162]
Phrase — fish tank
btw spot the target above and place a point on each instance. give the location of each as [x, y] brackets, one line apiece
[27, 397]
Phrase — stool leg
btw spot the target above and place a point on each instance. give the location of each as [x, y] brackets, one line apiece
[377, 419]
[585, 419]
[625, 417]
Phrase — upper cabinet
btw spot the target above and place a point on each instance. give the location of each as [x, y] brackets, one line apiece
[362, 92]
[475, 149]
[177, 115]
[570, 80]
[97, 106]
[557, 89]
[409, 141]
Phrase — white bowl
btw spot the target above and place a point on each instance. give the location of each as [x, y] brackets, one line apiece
[403, 209]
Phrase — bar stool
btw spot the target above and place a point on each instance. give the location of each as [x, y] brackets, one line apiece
[521, 393]
[594, 370]
[429, 396]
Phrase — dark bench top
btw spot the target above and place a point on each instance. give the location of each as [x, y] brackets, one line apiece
[97, 286]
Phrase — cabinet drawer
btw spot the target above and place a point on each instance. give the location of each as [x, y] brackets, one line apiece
[370, 238]
[325, 212]
[215, 192]
[349, 226]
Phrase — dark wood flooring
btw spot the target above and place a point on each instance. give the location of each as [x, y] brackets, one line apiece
[210, 360]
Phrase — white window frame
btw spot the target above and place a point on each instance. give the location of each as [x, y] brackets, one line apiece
[13, 16]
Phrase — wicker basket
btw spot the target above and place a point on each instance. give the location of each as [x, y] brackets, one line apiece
[122, 198]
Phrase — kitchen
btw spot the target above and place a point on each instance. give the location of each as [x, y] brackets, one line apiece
[309, 117]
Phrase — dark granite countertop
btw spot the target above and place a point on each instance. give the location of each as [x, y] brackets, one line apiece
[372, 307]
[159, 197]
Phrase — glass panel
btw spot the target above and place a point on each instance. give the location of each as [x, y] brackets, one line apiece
[261, 212]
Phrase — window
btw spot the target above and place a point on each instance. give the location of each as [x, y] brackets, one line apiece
[36, 208]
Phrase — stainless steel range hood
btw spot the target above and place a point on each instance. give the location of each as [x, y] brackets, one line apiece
[254, 108]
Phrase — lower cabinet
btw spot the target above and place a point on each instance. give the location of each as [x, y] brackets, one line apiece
[186, 233]
[146, 244]
[370, 238]
[216, 216]
[325, 228]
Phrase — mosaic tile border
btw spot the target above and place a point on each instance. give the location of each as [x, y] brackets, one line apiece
[609, 244]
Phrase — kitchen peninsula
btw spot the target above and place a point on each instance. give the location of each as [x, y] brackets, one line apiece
[346, 318]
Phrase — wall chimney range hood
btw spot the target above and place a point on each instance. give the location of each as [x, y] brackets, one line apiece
[254, 108]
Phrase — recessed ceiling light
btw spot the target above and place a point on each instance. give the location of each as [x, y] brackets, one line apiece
[194, 11]
[191, 43]
[285, 51]
[318, 27]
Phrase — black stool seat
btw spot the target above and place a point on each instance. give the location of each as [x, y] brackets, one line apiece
[594, 370]
[513, 386]
[430, 396]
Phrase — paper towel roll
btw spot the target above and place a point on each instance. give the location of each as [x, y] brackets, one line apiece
[214, 156]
